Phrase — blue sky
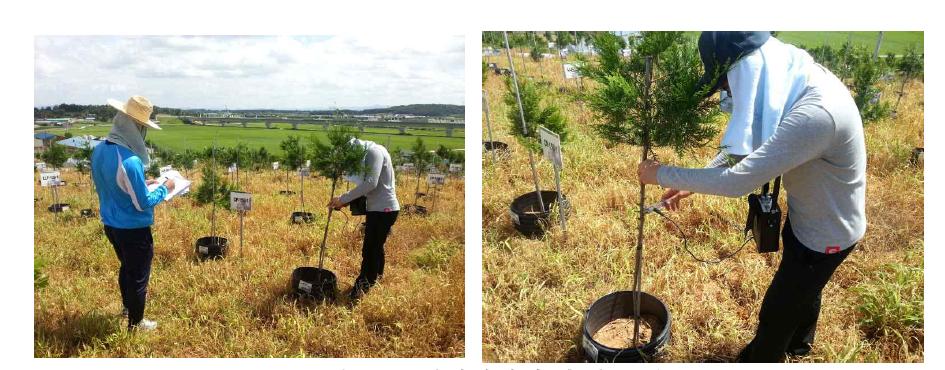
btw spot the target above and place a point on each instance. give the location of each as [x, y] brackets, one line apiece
[245, 72]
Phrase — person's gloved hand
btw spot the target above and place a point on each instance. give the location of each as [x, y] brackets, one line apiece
[672, 197]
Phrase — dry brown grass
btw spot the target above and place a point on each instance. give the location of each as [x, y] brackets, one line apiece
[535, 291]
[239, 306]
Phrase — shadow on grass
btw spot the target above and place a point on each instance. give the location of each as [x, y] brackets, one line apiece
[72, 333]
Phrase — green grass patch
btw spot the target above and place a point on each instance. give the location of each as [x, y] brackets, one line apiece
[892, 304]
[176, 136]
[435, 255]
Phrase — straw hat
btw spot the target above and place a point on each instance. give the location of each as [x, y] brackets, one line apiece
[138, 108]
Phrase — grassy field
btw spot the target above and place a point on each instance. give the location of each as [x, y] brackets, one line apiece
[893, 41]
[177, 136]
[535, 291]
[240, 306]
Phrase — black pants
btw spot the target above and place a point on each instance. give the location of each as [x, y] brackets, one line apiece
[135, 250]
[788, 318]
[377, 228]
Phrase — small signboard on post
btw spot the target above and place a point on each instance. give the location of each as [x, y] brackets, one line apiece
[551, 146]
[232, 168]
[41, 166]
[408, 167]
[240, 201]
[570, 71]
[165, 169]
[456, 167]
[436, 179]
[275, 166]
[305, 172]
[49, 178]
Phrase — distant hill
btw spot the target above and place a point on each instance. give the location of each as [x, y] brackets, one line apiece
[422, 110]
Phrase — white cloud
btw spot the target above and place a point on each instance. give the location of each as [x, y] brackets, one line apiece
[252, 71]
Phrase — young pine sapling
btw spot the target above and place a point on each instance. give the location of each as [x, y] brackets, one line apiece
[651, 99]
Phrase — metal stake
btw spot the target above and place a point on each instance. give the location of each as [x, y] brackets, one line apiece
[321, 253]
[485, 105]
[638, 264]
[521, 113]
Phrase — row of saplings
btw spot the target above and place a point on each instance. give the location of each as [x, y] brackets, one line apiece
[648, 100]
[337, 158]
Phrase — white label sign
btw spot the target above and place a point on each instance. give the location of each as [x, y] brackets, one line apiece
[203, 249]
[308, 163]
[49, 178]
[165, 169]
[40, 166]
[232, 168]
[240, 201]
[570, 71]
[436, 179]
[305, 172]
[275, 165]
[456, 167]
[305, 286]
[551, 146]
[408, 166]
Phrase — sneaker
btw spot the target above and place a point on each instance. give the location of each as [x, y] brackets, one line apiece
[145, 325]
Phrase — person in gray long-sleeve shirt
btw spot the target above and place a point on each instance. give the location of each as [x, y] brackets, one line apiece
[818, 146]
[377, 186]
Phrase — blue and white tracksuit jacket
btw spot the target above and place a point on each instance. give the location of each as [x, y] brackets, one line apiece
[123, 197]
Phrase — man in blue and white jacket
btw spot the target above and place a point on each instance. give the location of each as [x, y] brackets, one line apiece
[126, 204]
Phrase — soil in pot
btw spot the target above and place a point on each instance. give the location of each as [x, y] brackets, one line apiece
[619, 333]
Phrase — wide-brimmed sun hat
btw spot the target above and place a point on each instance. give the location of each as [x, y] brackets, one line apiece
[720, 50]
[138, 108]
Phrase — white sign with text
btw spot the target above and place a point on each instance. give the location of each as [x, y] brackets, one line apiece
[551, 146]
[49, 178]
[436, 179]
[240, 201]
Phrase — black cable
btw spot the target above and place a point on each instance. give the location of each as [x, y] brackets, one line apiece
[685, 240]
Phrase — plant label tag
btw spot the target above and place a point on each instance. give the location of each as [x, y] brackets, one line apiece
[240, 201]
[551, 146]
[570, 71]
[195, 162]
[436, 179]
[275, 165]
[408, 166]
[203, 249]
[305, 172]
[456, 167]
[308, 163]
[305, 286]
[514, 217]
[165, 169]
[232, 168]
[40, 166]
[49, 178]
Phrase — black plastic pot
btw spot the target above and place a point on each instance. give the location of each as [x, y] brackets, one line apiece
[527, 215]
[619, 305]
[495, 145]
[286, 192]
[314, 283]
[58, 207]
[87, 213]
[415, 209]
[211, 247]
[917, 156]
[302, 217]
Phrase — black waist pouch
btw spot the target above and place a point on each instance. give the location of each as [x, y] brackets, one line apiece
[358, 206]
[764, 218]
